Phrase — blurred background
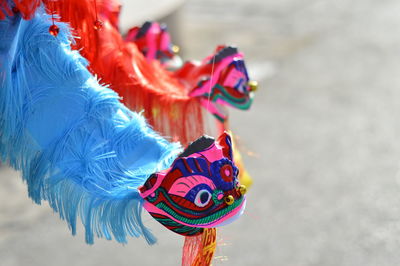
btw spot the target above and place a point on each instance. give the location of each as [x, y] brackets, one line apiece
[321, 140]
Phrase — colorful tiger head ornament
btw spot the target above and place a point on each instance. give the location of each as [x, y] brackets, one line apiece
[200, 189]
[154, 41]
[220, 79]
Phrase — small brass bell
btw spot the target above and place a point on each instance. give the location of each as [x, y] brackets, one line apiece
[242, 189]
[253, 85]
[229, 200]
[175, 49]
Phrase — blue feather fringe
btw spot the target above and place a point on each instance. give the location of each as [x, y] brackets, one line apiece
[77, 146]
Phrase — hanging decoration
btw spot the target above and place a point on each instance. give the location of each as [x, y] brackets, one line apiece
[98, 160]
[154, 42]
[145, 84]
[220, 80]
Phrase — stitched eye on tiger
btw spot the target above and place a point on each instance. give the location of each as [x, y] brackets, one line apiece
[202, 198]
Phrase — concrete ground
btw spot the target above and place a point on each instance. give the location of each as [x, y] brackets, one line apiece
[322, 135]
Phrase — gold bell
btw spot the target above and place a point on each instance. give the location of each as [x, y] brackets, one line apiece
[175, 49]
[229, 200]
[242, 189]
[253, 85]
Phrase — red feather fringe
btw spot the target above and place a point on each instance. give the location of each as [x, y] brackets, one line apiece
[142, 85]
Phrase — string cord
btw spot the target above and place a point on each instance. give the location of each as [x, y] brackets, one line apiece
[95, 8]
[211, 80]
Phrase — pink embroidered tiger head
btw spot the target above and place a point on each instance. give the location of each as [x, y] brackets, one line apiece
[200, 189]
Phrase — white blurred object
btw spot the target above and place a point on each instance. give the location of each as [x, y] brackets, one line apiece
[262, 70]
[135, 12]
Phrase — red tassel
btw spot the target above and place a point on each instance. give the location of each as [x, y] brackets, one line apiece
[199, 250]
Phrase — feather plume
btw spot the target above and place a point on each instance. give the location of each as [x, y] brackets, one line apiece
[77, 146]
[142, 85]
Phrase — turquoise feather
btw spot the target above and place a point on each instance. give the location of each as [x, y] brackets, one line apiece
[77, 146]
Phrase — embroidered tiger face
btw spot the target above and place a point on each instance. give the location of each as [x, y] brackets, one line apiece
[200, 189]
[222, 80]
